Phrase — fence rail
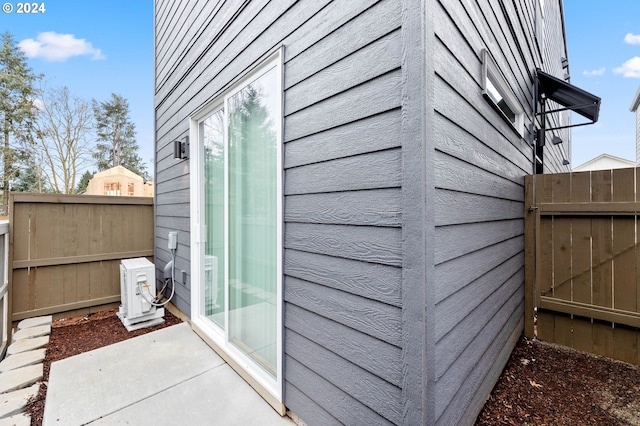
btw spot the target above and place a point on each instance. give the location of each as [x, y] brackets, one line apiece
[65, 250]
[582, 261]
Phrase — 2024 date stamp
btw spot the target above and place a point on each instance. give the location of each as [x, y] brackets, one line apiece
[32, 8]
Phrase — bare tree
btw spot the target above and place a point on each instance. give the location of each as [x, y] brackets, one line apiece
[63, 127]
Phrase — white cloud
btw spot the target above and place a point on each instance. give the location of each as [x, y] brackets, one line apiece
[593, 73]
[632, 38]
[52, 46]
[631, 68]
[38, 103]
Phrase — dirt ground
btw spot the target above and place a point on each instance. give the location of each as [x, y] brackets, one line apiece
[73, 336]
[545, 384]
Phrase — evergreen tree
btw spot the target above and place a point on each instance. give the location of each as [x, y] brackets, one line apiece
[116, 136]
[28, 179]
[17, 111]
[84, 182]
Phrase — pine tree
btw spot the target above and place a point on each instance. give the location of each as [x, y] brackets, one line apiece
[84, 182]
[17, 95]
[116, 136]
[28, 179]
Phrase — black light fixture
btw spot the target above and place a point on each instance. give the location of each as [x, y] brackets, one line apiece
[565, 162]
[539, 135]
[556, 140]
[181, 148]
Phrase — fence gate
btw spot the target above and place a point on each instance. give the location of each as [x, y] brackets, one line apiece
[581, 261]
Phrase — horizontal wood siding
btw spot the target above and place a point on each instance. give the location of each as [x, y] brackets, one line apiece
[478, 163]
[342, 178]
[342, 215]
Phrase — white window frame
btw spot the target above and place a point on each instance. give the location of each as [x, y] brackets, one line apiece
[493, 77]
[198, 234]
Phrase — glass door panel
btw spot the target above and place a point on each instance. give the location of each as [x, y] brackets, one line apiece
[252, 220]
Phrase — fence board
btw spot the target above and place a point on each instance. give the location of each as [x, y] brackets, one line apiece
[65, 250]
[625, 346]
[561, 243]
[544, 278]
[582, 261]
[602, 257]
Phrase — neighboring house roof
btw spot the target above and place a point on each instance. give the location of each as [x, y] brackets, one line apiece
[604, 162]
[636, 101]
[117, 171]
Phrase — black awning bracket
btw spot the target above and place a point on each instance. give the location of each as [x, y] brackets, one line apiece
[566, 109]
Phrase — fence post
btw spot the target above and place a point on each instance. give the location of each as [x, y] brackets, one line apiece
[529, 254]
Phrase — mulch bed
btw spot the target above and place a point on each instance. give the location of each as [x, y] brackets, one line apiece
[546, 384]
[73, 336]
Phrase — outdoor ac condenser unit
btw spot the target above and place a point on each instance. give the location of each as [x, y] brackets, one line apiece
[137, 290]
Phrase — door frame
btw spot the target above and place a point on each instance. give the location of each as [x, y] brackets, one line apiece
[271, 390]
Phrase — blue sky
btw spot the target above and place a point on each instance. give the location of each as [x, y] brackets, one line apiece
[95, 48]
[603, 38]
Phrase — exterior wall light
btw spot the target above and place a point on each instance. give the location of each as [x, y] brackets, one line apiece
[181, 148]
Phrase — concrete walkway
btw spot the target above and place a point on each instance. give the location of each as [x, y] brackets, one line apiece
[166, 377]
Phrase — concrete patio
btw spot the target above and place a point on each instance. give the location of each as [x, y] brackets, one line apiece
[166, 377]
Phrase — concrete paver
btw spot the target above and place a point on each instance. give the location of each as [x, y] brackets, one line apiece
[17, 420]
[13, 403]
[22, 359]
[31, 332]
[22, 370]
[34, 322]
[20, 377]
[27, 345]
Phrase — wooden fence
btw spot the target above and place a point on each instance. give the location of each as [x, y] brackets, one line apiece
[582, 261]
[5, 321]
[65, 250]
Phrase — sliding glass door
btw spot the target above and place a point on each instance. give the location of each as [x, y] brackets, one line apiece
[239, 294]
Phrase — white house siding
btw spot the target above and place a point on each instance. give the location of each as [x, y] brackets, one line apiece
[342, 179]
[478, 162]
